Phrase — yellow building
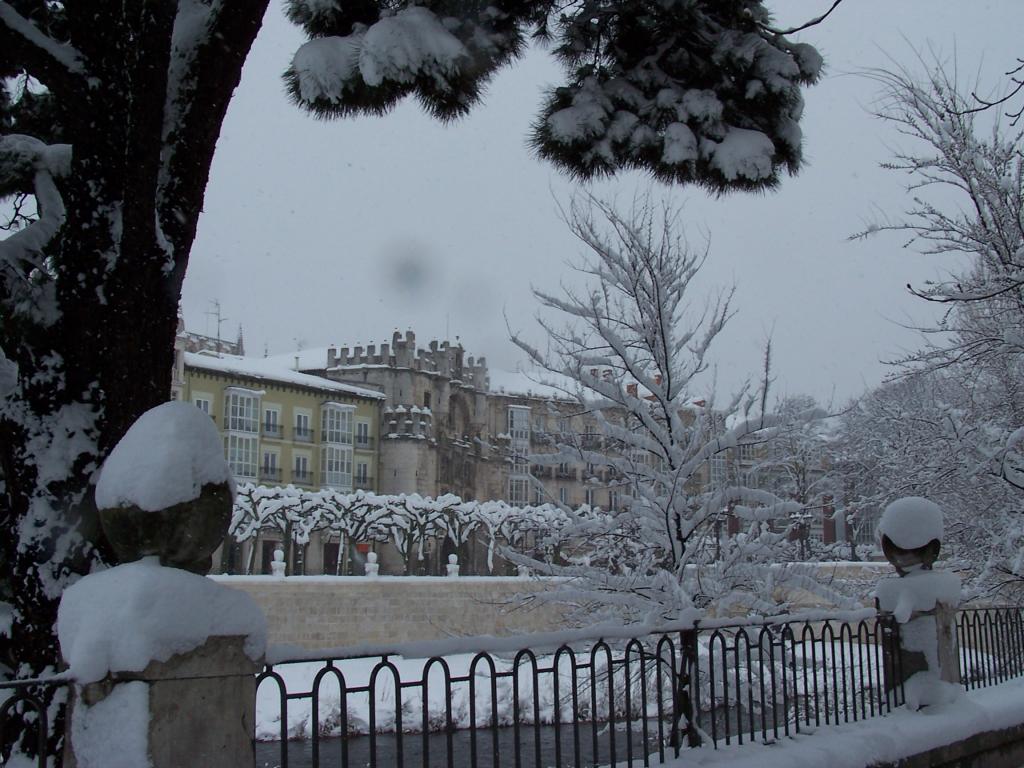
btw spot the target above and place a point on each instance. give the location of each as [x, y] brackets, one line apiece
[281, 426]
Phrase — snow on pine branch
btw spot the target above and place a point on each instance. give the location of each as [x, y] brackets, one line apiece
[718, 106]
[62, 53]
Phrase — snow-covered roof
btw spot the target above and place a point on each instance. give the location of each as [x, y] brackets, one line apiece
[532, 384]
[314, 358]
[270, 370]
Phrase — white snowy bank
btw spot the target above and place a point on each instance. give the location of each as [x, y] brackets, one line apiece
[879, 740]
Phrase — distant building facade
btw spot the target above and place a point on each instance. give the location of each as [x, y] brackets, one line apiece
[282, 427]
[450, 425]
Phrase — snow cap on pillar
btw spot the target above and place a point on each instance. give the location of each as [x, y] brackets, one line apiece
[911, 522]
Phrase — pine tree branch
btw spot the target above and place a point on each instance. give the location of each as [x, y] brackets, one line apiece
[55, 64]
[806, 25]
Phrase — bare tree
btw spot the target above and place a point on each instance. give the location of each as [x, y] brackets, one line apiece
[965, 434]
[628, 348]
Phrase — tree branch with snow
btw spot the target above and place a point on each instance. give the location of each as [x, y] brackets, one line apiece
[634, 346]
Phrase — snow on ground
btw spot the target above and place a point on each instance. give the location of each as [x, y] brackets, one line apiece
[357, 672]
[878, 740]
[166, 458]
[120, 619]
[860, 671]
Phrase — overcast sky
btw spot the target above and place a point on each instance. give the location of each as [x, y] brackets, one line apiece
[339, 232]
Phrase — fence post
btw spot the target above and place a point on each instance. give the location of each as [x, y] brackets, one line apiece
[686, 691]
[921, 604]
[200, 705]
[164, 659]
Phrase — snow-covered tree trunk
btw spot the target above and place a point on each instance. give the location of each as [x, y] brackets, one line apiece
[135, 97]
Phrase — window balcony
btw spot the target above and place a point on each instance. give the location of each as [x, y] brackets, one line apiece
[590, 441]
[301, 477]
[273, 430]
[270, 473]
[341, 481]
[362, 482]
[235, 424]
[365, 443]
[334, 437]
[303, 435]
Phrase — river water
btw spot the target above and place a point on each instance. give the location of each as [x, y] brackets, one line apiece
[553, 752]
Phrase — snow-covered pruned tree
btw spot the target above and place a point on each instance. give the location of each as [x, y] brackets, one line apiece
[109, 116]
[694, 92]
[632, 345]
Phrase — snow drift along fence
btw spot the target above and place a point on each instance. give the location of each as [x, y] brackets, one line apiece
[763, 680]
[991, 642]
[590, 702]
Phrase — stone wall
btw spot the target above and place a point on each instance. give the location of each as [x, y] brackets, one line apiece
[317, 612]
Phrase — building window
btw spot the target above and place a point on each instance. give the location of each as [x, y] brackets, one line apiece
[563, 495]
[717, 466]
[301, 469]
[203, 404]
[613, 500]
[272, 422]
[748, 451]
[362, 474]
[336, 424]
[241, 412]
[336, 467]
[363, 434]
[303, 433]
[519, 429]
[518, 490]
[538, 495]
[270, 469]
[589, 497]
[241, 451]
[426, 400]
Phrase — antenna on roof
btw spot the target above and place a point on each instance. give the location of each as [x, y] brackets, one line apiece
[215, 312]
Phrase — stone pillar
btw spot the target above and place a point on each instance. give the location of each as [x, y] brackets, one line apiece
[195, 709]
[922, 601]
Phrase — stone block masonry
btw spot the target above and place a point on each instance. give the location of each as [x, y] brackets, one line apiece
[316, 612]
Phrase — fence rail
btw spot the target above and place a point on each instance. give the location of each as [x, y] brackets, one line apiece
[24, 717]
[759, 681]
[991, 642]
[605, 702]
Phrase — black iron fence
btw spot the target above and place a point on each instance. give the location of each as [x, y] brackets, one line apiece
[765, 679]
[586, 703]
[25, 723]
[991, 642]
